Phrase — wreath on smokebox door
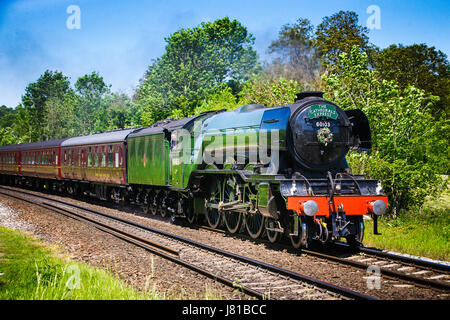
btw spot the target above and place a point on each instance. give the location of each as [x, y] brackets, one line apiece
[325, 136]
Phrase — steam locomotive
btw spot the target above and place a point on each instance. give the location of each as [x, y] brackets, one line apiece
[270, 171]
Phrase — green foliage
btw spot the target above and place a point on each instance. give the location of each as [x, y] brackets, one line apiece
[7, 136]
[425, 233]
[195, 61]
[421, 66]
[221, 98]
[121, 112]
[65, 112]
[59, 121]
[50, 84]
[297, 56]
[269, 92]
[339, 33]
[7, 117]
[91, 117]
[260, 89]
[409, 146]
[302, 52]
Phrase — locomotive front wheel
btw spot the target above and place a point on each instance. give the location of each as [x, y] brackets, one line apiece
[296, 241]
[213, 217]
[233, 221]
[254, 223]
[355, 240]
[301, 239]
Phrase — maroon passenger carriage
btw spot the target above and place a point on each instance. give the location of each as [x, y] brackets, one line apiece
[34, 164]
[93, 164]
[96, 164]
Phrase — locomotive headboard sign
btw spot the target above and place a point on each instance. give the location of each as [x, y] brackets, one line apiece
[322, 110]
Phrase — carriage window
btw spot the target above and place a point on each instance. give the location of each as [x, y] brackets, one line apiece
[96, 157]
[117, 159]
[110, 160]
[110, 157]
[90, 160]
[103, 160]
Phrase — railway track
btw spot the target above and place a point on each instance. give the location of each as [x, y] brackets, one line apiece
[252, 277]
[397, 268]
[413, 271]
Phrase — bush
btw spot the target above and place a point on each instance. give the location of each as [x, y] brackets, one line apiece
[409, 147]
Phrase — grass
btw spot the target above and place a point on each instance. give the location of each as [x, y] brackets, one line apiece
[425, 233]
[31, 271]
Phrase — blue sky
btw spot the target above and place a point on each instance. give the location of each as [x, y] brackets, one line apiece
[119, 39]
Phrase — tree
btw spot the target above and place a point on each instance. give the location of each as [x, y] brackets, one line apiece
[297, 57]
[195, 61]
[221, 98]
[50, 84]
[91, 89]
[121, 111]
[418, 65]
[410, 148]
[7, 116]
[339, 33]
[60, 118]
[269, 92]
